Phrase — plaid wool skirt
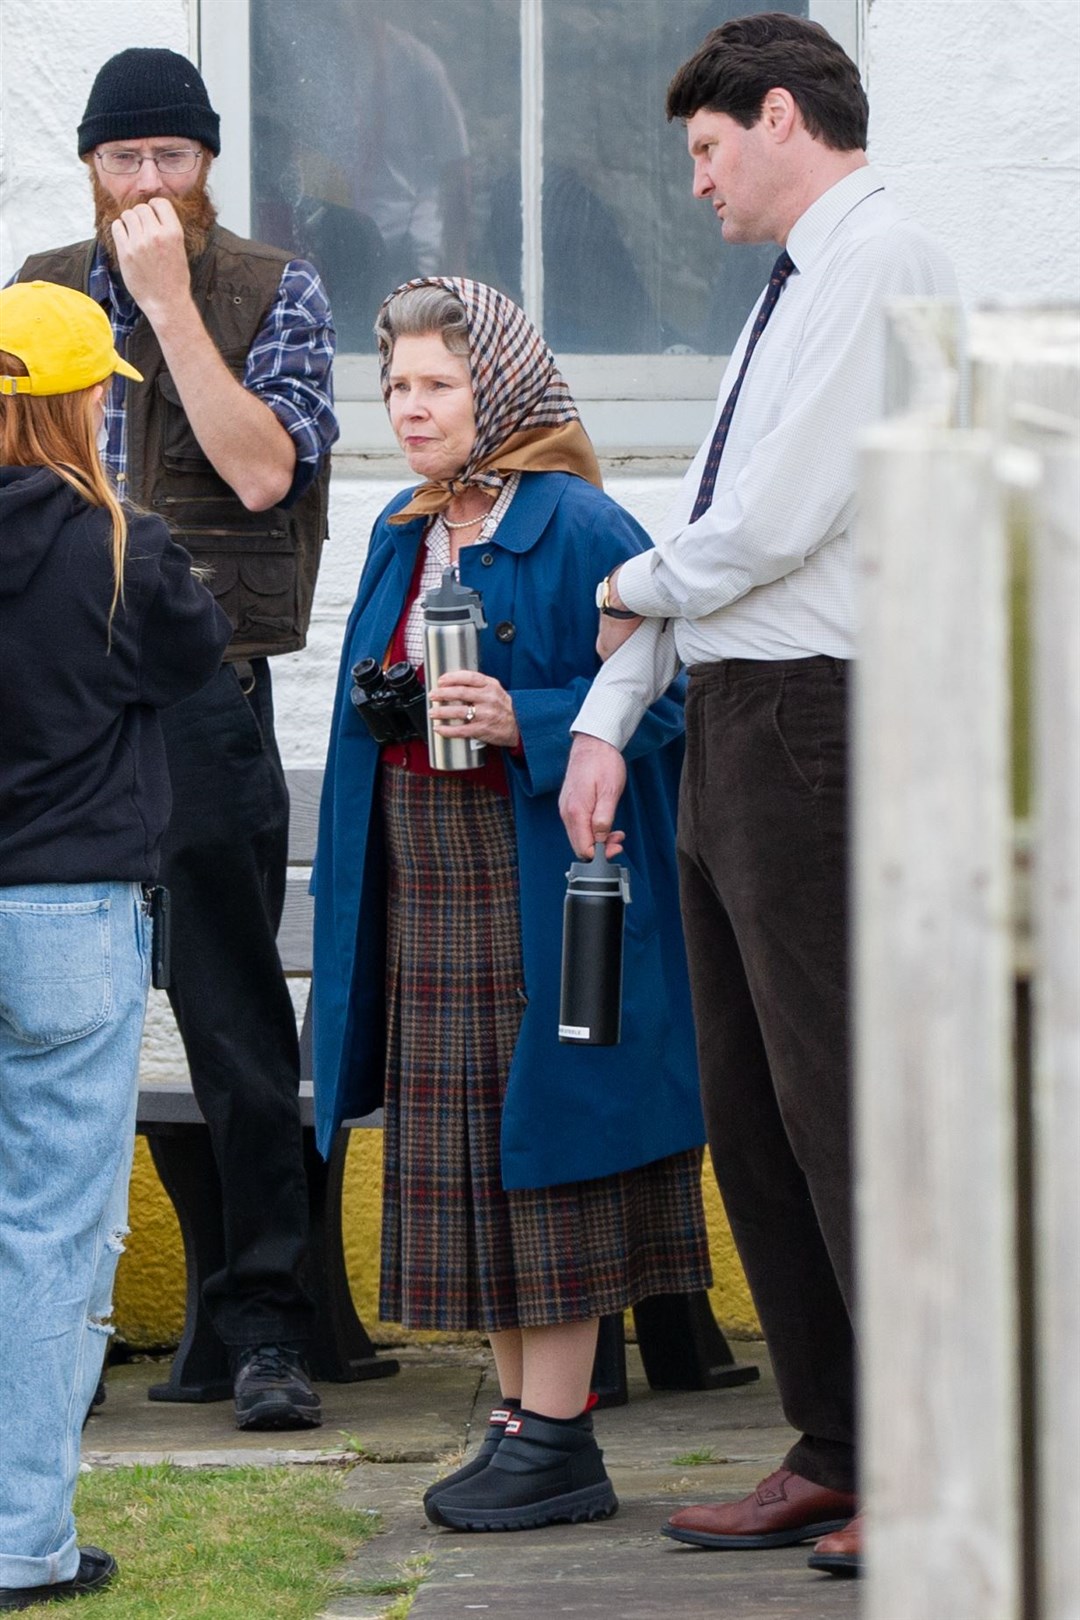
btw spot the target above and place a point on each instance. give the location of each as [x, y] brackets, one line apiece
[458, 1252]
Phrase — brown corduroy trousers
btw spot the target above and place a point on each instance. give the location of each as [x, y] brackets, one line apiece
[763, 875]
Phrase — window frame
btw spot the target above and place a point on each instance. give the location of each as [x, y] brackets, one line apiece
[637, 407]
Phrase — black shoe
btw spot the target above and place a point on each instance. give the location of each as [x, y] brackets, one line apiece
[497, 1422]
[96, 1569]
[542, 1473]
[272, 1390]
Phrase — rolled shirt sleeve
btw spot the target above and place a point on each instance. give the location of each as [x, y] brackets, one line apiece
[289, 367]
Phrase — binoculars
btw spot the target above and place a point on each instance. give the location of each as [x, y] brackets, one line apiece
[392, 704]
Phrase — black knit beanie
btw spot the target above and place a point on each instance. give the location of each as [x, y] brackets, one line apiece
[145, 92]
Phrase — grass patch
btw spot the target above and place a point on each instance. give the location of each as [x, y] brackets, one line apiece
[402, 1590]
[695, 1459]
[219, 1543]
[399, 1609]
[357, 1447]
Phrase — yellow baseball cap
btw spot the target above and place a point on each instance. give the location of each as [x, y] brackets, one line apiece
[62, 338]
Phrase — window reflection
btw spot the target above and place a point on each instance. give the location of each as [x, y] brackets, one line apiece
[386, 143]
[361, 149]
[632, 263]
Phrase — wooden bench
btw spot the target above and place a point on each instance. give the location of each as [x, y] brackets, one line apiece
[681, 1344]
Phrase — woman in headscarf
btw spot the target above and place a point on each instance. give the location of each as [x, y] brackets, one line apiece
[531, 1187]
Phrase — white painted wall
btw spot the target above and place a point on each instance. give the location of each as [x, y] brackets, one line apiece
[50, 51]
[974, 122]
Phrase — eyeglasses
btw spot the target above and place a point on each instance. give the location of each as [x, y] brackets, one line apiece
[173, 160]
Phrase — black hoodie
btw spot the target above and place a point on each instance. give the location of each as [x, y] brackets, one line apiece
[84, 787]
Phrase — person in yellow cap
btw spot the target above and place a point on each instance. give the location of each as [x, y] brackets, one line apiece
[102, 624]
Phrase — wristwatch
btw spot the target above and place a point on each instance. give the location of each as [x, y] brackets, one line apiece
[603, 602]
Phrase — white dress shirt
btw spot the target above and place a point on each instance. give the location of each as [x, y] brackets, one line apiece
[767, 571]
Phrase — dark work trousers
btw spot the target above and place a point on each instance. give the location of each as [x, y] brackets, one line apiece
[224, 863]
[763, 884]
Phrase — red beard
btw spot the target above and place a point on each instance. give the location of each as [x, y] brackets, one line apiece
[195, 212]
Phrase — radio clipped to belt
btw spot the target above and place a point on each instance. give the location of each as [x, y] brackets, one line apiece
[157, 908]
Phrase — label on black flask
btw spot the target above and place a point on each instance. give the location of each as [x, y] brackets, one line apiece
[574, 1032]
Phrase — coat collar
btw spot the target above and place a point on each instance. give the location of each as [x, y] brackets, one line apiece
[528, 516]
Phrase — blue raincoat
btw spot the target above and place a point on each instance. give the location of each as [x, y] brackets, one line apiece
[571, 1112]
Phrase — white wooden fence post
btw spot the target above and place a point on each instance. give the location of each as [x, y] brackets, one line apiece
[1056, 683]
[933, 1033]
[1026, 386]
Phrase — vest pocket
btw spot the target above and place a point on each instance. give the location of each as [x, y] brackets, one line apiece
[255, 583]
[180, 449]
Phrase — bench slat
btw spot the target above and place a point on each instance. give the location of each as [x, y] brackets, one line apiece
[172, 1102]
[294, 935]
[304, 787]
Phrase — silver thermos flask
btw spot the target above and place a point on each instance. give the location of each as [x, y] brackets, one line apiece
[590, 1003]
[452, 616]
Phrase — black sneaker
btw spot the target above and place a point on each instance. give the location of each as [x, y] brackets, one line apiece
[271, 1389]
[96, 1569]
[543, 1472]
[496, 1427]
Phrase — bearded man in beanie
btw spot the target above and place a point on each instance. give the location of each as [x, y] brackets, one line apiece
[229, 441]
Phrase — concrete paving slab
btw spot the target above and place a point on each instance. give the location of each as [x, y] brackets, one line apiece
[663, 1449]
[621, 1568]
[420, 1414]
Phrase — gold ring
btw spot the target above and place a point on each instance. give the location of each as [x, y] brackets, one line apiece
[470, 715]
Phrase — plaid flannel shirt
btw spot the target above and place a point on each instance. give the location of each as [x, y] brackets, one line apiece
[288, 367]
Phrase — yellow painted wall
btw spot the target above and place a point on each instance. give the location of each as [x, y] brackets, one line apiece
[150, 1280]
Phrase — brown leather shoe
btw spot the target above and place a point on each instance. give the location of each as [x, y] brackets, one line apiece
[841, 1552]
[784, 1510]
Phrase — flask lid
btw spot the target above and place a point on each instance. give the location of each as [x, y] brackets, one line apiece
[599, 876]
[451, 602]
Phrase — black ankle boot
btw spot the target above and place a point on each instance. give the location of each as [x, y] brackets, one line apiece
[497, 1422]
[544, 1472]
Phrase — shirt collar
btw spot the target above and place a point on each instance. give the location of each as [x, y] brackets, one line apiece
[810, 232]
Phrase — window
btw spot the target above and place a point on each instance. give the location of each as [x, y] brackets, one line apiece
[522, 142]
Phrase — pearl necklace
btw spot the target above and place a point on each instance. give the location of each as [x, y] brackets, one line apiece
[468, 523]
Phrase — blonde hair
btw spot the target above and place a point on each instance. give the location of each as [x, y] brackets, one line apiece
[59, 431]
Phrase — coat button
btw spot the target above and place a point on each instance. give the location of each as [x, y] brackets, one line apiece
[505, 631]
[487, 559]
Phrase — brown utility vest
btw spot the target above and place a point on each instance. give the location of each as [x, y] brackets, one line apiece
[264, 563]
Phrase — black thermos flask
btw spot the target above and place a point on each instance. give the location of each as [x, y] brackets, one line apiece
[590, 1006]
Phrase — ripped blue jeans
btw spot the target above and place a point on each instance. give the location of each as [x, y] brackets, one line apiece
[74, 973]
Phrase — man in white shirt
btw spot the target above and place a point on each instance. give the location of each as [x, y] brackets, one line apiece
[751, 586]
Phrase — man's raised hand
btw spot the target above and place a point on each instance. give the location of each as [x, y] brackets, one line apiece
[152, 256]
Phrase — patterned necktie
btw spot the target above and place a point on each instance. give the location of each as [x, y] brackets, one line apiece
[780, 272]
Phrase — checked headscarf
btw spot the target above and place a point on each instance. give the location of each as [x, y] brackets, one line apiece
[526, 419]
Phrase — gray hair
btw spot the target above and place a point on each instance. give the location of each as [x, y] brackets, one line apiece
[419, 310]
